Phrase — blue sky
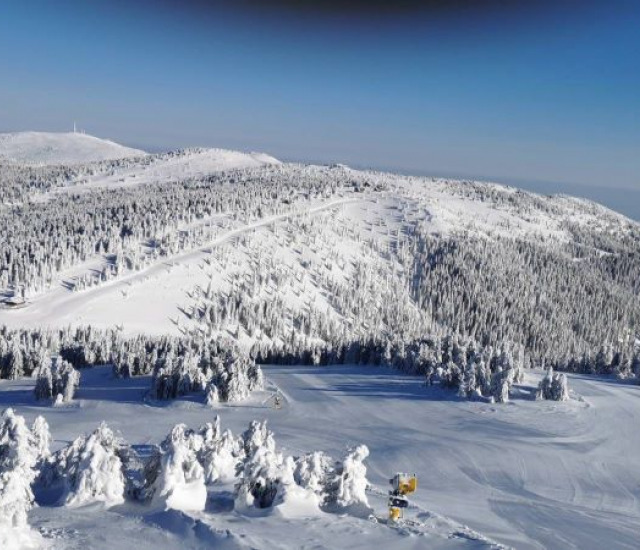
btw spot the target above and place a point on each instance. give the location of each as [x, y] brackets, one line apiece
[549, 91]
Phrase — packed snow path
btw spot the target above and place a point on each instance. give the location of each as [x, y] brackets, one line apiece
[528, 474]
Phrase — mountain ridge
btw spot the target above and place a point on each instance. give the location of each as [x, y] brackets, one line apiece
[52, 148]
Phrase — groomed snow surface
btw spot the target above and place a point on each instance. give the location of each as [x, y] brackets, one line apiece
[524, 475]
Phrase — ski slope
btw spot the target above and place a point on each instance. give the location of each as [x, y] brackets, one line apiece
[527, 475]
[45, 148]
[146, 301]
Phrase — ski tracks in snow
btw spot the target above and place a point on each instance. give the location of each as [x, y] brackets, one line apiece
[427, 521]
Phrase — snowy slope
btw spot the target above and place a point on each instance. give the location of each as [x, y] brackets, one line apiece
[158, 291]
[338, 228]
[164, 168]
[200, 162]
[43, 148]
[528, 475]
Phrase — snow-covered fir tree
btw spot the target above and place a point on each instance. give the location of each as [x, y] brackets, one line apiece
[58, 381]
[19, 455]
[348, 488]
[90, 469]
[41, 438]
[553, 387]
[175, 478]
[220, 453]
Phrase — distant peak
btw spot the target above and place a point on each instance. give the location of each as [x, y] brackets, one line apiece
[57, 148]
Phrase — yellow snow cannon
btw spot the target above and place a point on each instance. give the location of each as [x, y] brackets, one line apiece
[404, 484]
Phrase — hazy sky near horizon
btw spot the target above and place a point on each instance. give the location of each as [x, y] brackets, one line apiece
[539, 90]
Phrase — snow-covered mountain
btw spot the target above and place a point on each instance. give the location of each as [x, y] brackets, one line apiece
[313, 255]
[333, 242]
[192, 266]
[49, 148]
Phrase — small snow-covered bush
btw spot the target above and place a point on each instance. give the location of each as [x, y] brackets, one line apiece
[553, 387]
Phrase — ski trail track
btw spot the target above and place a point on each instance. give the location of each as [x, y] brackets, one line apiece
[526, 475]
